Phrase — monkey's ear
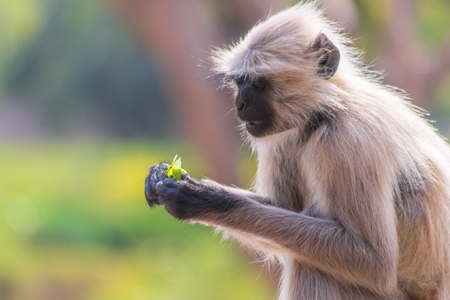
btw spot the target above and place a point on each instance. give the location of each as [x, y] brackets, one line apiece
[328, 55]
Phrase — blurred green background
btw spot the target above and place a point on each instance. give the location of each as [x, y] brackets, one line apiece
[94, 92]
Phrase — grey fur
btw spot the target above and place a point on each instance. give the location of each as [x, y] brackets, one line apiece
[352, 193]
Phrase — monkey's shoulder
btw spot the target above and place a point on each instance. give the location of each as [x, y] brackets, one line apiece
[320, 123]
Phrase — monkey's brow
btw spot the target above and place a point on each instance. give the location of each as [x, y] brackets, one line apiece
[225, 79]
[216, 76]
[231, 78]
[222, 76]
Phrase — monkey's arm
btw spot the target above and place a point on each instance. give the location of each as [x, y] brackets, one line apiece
[357, 243]
[245, 193]
[157, 173]
[325, 244]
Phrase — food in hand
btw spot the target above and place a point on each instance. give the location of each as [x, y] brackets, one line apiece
[175, 171]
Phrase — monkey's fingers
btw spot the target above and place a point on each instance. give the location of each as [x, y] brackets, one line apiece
[176, 202]
[153, 202]
[186, 177]
[168, 182]
[150, 192]
[156, 174]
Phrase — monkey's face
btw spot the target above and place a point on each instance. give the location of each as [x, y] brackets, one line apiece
[279, 100]
[253, 105]
[268, 104]
[278, 73]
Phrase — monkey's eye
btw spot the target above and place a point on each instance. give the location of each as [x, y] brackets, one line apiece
[259, 85]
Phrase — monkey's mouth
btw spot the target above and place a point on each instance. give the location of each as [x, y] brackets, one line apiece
[257, 128]
[252, 124]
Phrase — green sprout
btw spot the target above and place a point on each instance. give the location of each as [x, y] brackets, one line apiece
[175, 171]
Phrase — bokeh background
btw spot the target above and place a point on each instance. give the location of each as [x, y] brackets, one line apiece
[93, 92]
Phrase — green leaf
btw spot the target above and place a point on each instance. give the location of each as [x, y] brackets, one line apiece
[175, 171]
[169, 172]
[176, 162]
[177, 174]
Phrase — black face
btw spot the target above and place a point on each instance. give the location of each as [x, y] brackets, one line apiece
[253, 105]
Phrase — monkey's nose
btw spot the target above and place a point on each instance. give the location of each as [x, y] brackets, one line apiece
[239, 104]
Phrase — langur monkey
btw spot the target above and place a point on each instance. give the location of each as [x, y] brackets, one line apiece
[352, 192]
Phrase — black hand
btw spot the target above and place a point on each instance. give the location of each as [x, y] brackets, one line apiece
[191, 199]
[157, 174]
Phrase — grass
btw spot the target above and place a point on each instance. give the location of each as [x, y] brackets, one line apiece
[74, 224]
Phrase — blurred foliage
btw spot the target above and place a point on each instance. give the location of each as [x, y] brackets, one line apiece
[432, 27]
[81, 67]
[441, 111]
[19, 21]
[372, 16]
[434, 21]
[73, 219]
[74, 223]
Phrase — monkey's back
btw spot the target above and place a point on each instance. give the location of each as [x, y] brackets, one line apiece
[422, 201]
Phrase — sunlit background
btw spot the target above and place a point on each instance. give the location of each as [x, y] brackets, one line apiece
[94, 92]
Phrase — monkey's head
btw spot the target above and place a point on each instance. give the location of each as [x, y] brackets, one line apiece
[280, 71]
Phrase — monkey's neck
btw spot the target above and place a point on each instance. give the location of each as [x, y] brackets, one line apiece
[275, 167]
[271, 143]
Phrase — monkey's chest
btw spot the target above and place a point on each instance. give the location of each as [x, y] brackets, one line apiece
[286, 189]
[279, 176]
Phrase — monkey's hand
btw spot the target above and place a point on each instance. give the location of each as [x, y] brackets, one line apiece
[157, 174]
[194, 200]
